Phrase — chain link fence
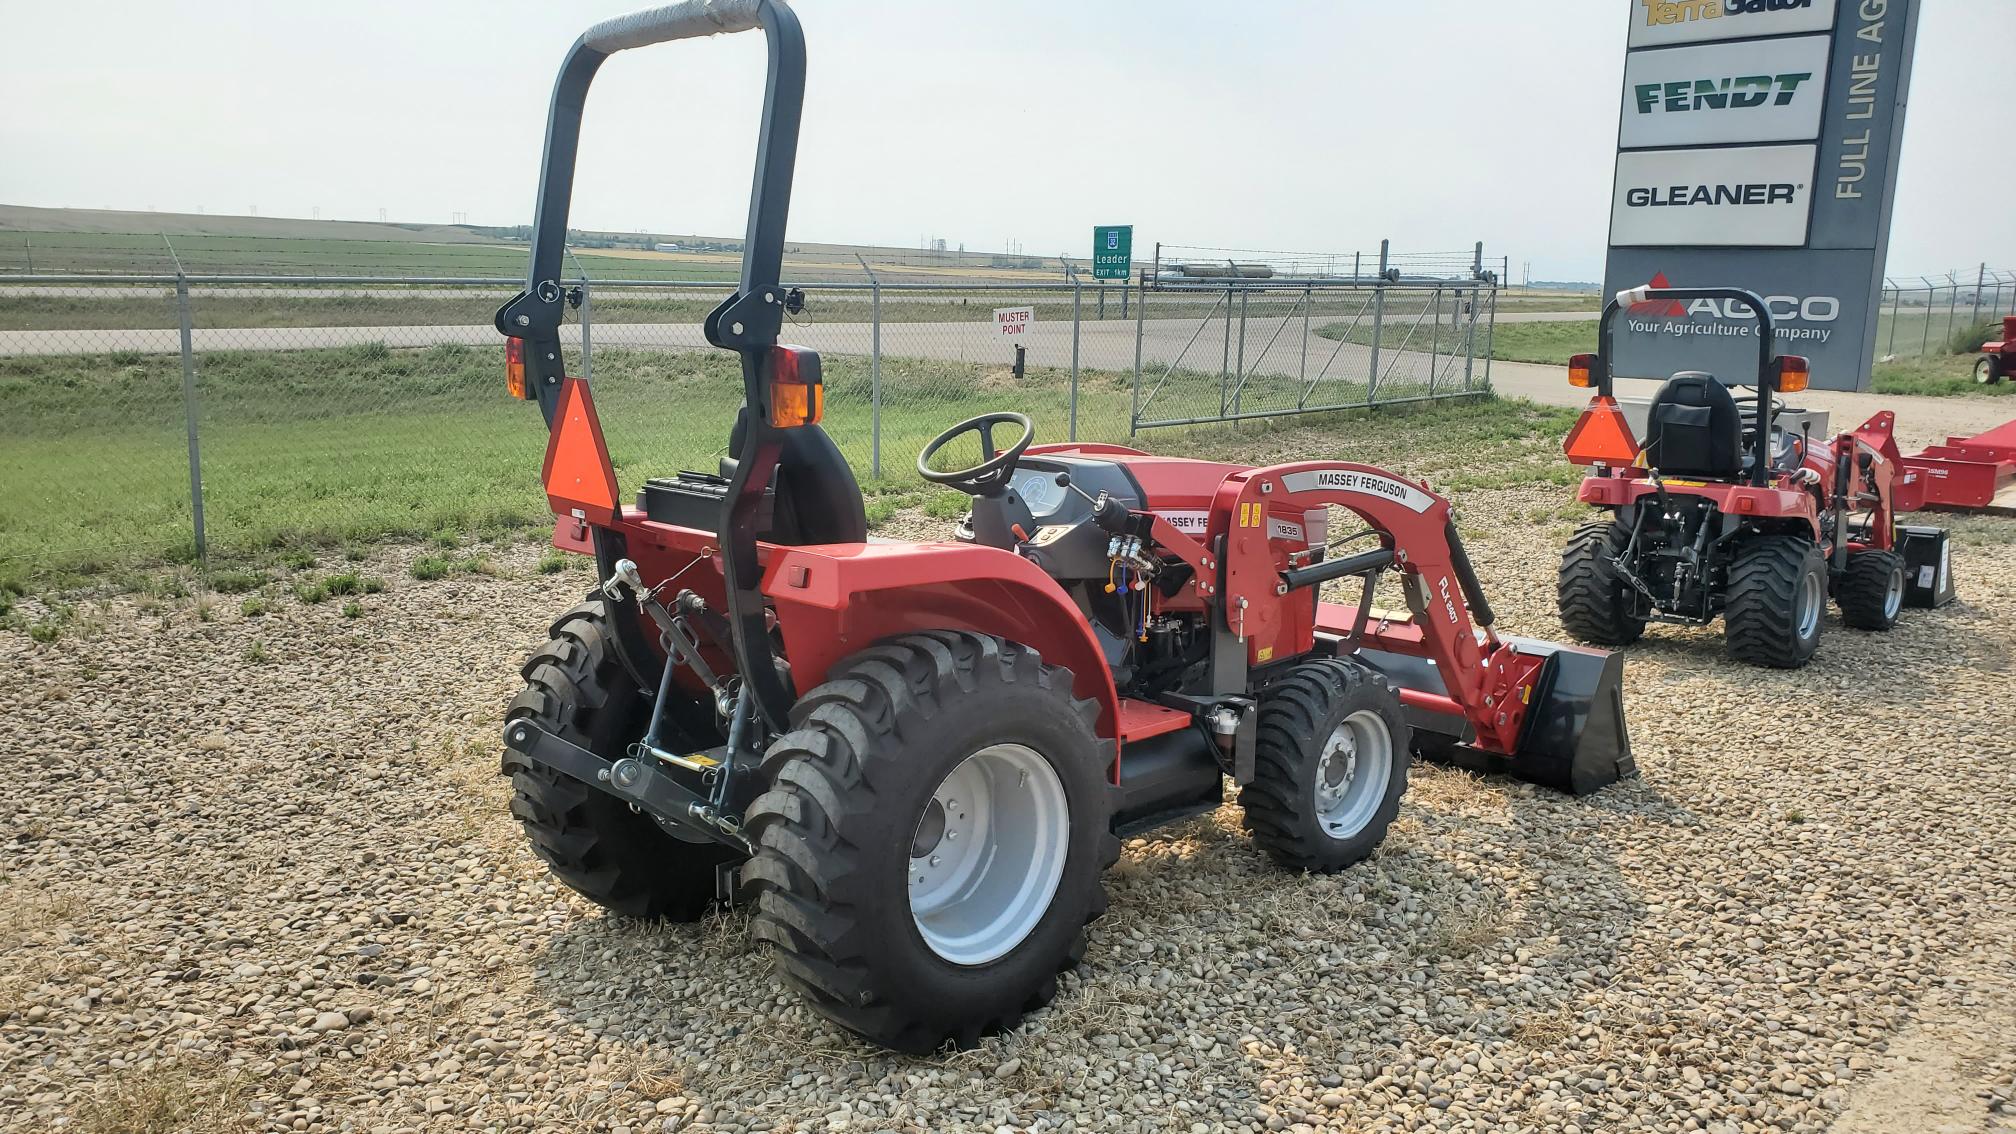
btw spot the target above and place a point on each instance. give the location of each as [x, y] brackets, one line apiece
[1927, 315]
[182, 418]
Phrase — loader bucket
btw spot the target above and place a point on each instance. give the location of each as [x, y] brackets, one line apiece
[1574, 740]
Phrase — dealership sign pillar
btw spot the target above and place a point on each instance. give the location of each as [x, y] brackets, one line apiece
[1758, 149]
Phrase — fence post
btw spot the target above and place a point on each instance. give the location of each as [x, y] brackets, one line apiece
[1490, 333]
[587, 332]
[874, 369]
[1140, 318]
[1896, 308]
[1077, 320]
[1308, 301]
[1239, 387]
[1925, 339]
[1378, 322]
[1980, 277]
[190, 412]
[1952, 306]
[1470, 335]
[1434, 342]
[1225, 355]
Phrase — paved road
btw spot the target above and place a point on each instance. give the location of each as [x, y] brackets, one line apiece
[1197, 354]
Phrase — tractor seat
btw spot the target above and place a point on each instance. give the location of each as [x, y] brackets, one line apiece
[1694, 429]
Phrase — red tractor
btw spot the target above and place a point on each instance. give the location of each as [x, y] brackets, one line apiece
[918, 758]
[1998, 359]
[1724, 513]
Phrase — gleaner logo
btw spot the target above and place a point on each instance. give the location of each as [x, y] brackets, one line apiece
[1752, 193]
[1659, 12]
[1736, 93]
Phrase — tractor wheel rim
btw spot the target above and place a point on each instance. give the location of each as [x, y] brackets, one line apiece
[988, 853]
[1807, 612]
[1893, 595]
[1984, 371]
[1352, 774]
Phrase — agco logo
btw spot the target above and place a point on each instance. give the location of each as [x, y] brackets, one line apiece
[1810, 308]
[1738, 92]
[1659, 12]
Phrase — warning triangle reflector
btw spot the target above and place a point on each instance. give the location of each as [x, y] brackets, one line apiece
[1601, 436]
[578, 473]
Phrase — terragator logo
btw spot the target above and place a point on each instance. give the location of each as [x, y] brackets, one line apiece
[1658, 12]
[1737, 92]
[1751, 193]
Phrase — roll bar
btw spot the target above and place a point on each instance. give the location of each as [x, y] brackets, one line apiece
[535, 313]
[746, 322]
[1767, 372]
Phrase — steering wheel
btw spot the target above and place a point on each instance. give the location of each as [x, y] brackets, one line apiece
[989, 476]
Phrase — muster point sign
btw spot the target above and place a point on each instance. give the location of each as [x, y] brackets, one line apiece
[1014, 321]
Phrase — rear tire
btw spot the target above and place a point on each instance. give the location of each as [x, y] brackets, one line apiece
[1330, 766]
[1777, 602]
[1595, 600]
[1988, 369]
[867, 793]
[1871, 591]
[577, 689]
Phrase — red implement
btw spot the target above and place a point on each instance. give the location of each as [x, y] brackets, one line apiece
[1968, 474]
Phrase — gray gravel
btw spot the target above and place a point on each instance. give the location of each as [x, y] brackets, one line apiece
[277, 889]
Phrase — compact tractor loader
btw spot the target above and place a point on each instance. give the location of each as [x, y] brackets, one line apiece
[1723, 512]
[917, 758]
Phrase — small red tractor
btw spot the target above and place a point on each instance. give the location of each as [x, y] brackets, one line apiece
[918, 758]
[1998, 358]
[1724, 512]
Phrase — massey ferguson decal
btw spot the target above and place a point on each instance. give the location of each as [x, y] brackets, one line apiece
[1362, 483]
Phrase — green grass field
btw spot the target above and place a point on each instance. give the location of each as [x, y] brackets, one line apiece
[320, 448]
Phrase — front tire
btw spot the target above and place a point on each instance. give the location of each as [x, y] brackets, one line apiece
[1777, 602]
[1988, 369]
[1596, 602]
[577, 689]
[1330, 766]
[876, 911]
[1871, 591]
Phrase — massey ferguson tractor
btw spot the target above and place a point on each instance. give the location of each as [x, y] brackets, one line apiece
[916, 759]
[1723, 512]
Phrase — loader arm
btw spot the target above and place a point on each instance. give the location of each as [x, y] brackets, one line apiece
[1488, 682]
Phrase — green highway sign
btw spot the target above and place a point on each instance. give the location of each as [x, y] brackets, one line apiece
[1112, 251]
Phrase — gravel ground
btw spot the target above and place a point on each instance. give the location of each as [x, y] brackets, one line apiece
[258, 874]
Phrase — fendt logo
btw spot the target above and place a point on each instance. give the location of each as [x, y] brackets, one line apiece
[1738, 92]
[1661, 12]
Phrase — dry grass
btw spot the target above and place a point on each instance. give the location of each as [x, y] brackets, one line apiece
[168, 1098]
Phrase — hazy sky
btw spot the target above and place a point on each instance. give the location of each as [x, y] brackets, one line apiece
[1286, 125]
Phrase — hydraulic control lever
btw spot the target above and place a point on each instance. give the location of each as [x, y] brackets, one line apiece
[1107, 512]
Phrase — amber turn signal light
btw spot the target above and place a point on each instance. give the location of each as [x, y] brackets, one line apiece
[1582, 370]
[1793, 372]
[797, 395]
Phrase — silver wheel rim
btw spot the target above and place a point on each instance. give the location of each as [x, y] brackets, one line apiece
[1984, 372]
[988, 853]
[1352, 774]
[1807, 613]
[1893, 596]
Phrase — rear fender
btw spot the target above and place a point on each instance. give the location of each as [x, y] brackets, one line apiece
[833, 600]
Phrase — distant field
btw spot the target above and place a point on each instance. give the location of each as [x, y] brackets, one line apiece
[1938, 374]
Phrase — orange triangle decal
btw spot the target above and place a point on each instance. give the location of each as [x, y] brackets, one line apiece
[578, 473]
[1601, 436]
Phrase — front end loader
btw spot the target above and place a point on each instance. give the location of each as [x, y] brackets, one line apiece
[916, 759]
